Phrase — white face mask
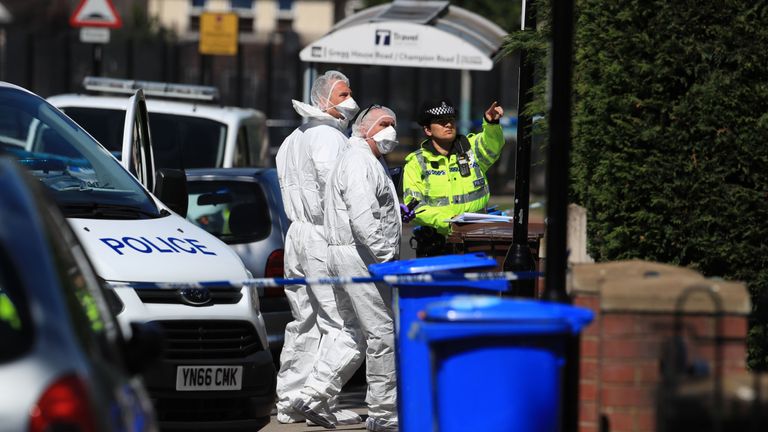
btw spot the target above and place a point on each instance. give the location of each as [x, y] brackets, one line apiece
[348, 108]
[386, 140]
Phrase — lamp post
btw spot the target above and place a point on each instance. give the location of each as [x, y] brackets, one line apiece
[558, 155]
[519, 257]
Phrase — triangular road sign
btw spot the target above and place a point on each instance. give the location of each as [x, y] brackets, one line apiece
[96, 13]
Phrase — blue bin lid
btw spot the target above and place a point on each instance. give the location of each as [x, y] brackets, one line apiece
[444, 263]
[495, 310]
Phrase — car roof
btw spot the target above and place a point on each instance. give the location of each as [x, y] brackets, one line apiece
[220, 113]
[14, 86]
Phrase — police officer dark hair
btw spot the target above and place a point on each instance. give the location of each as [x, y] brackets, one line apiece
[436, 109]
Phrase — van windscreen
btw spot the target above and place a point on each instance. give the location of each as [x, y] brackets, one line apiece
[178, 141]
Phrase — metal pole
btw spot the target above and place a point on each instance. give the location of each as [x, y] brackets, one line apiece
[558, 152]
[30, 64]
[239, 75]
[204, 65]
[557, 197]
[310, 73]
[465, 103]
[129, 60]
[97, 57]
[519, 257]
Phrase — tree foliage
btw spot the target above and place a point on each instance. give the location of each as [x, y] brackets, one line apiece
[670, 137]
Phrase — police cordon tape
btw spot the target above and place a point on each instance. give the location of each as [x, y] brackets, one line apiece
[342, 280]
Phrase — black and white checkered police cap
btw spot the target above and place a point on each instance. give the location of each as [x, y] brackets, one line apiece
[436, 109]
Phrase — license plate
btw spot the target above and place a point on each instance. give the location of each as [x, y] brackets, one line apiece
[209, 378]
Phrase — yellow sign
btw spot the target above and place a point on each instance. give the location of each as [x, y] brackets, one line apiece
[218, 33]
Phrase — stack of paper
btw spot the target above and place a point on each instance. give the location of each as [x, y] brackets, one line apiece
[479, 218]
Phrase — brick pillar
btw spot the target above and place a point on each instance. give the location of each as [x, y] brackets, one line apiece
[636, 308]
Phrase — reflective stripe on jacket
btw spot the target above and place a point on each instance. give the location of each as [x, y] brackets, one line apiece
[435, 181]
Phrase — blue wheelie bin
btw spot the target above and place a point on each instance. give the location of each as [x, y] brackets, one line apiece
[497, 364]
[413, 381]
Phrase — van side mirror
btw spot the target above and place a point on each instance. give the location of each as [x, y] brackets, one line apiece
[171, 189]
[145, 346]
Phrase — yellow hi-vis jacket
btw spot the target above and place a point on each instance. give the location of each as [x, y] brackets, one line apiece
[443, 193]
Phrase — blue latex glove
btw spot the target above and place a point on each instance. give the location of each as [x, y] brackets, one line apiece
[405, 214]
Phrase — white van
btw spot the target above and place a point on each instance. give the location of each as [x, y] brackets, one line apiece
[189, 129]
[217, 371]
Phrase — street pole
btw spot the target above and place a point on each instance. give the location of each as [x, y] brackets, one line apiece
[558, 152]
[97, 59]
[558, 156]
[519, 257]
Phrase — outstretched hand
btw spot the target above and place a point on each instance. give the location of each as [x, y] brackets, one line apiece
[494, 112]
[406, 214]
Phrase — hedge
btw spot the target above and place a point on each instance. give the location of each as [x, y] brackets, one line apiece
[670, 137]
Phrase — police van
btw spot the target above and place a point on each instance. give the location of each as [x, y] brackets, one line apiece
[189, 128]
[217, 371]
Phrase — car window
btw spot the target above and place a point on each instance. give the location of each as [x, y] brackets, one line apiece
[242, 157]
[258, 154]
[236, 212]
[106, 125]
[83, 178]
[16, 333]
[14, 125]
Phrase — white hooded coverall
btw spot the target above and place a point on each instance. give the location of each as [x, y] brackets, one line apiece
[363, 226]
[304, 162]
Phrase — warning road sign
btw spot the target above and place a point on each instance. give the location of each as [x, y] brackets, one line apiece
[96, 13]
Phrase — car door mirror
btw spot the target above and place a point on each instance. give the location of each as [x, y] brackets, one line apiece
[145, 347]
[171, 189]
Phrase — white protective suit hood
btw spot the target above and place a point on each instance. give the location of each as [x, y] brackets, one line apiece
[311, 112]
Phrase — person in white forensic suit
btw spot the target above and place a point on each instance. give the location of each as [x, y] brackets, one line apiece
[363, 226]
[304, 162]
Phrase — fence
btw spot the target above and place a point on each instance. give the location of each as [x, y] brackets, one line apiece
[264, 75]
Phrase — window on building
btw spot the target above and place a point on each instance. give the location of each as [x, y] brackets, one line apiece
[242, 4]
[243, 8]
[245, 17]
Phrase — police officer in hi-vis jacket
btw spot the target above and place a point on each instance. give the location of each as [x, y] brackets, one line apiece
[447, 174]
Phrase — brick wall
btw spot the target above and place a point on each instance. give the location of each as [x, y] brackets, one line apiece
[637, 305]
